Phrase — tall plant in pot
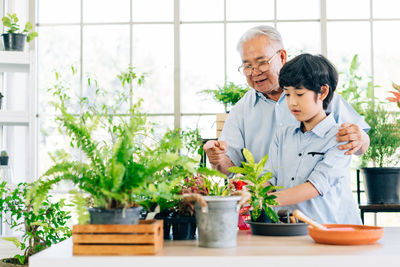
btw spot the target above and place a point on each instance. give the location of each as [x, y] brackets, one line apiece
[14, 39]
[228, 95]
[121, 165]
[381, 176]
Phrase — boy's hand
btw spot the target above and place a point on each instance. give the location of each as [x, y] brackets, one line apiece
[352, 134]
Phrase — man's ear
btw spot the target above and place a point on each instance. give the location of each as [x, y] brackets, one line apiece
[324, 92]
[283, 56]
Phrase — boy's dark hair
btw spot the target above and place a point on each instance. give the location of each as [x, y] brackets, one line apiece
[311, 72]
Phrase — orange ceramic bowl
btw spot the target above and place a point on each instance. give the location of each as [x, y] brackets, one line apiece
[359, 235]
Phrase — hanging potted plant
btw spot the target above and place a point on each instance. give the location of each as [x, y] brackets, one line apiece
[14, 39]
[3, 158]
[228, 95]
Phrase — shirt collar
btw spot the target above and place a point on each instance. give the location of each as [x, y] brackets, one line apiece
[258, 96]
[322, 127]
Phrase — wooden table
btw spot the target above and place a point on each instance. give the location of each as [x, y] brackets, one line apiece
[250, 251]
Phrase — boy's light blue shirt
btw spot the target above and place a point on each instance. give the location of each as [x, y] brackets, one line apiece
[253, 121]
[296, 157]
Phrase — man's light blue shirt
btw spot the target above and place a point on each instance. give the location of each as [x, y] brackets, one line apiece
[253, 121]
[296, 157]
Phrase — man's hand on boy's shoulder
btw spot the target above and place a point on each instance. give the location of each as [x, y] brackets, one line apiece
[358, 140]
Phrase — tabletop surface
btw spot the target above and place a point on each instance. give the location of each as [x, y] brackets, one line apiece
[284, 250]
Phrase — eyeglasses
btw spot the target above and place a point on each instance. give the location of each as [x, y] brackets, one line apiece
[261, 66]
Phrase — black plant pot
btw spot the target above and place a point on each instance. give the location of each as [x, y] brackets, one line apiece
[166, 217]
[4, 160]
[14, 41]
[184, 228]
[382, 185]
[263, 217]
[114, 216]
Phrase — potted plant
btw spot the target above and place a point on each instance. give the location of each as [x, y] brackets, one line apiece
[261, 202]
[216, 213]
[118, 170]
[228, 94]
[14, 39]
[382, 179]
[3, 158]
[39, 230]
[264, 219]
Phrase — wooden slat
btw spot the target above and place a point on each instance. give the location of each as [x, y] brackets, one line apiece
[113, 250]
[151, 226]
[119, 239]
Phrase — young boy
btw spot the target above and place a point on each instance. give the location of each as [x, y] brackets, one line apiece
[305, 159]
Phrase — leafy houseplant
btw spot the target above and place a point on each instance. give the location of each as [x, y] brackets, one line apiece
[123, 169]
[14, 39]
[217, 210]
[384, 141]
[228, 94]
[260, 200]
[48, 226]
[3, 158]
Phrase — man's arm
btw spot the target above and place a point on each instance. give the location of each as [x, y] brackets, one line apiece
[216, 153]
[358, 140]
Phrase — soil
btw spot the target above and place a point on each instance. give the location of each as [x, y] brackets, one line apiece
[11, 262]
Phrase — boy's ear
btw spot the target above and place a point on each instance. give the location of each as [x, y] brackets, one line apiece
[324, 92]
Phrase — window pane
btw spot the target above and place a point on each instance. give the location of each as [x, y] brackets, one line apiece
[294, 9]
[162, 124]
[52, 46]
[16, 139]
[234, 32]
[347, 9]
[195, 10]
[386, 63]
[106, 11]
[343, 44]
[153, 10]
[61, 11]
[104, 58]
[16, 91]
[386, 9]
[202, 65]
[205, 124]
[244, 10]
[296, 42]
[50, 140]
[154, 54]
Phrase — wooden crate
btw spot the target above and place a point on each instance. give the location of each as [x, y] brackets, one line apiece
[220, 120]
[113, 239]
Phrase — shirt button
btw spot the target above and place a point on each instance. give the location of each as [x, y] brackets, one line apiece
[292, 178]
[300, 154]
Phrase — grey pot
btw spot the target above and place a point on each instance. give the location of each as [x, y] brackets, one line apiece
[217, 227]
[114, 216]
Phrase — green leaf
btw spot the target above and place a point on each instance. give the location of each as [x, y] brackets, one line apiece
[248, 156]
[235, 169]
[15, 240]
[271, 214]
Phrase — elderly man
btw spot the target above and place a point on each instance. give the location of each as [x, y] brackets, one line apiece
[254, 119]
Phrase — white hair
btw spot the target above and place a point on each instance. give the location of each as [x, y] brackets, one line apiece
[262, 30]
